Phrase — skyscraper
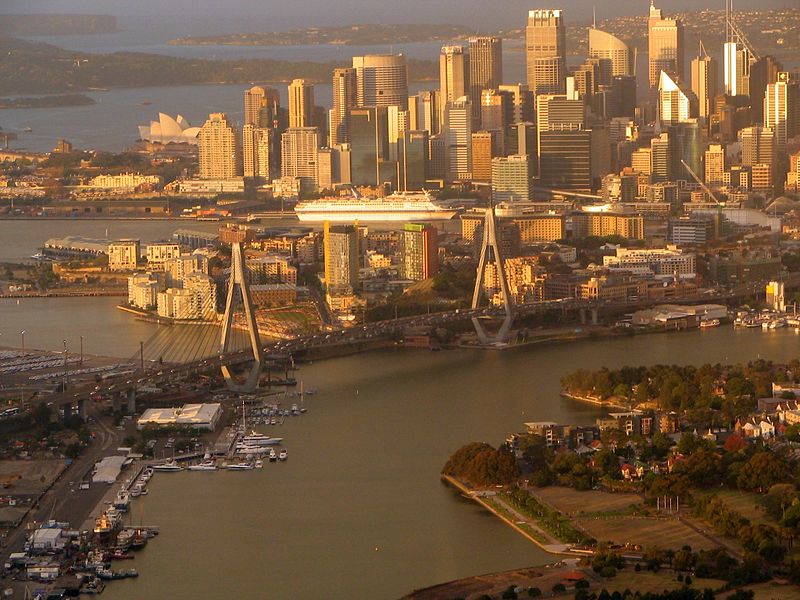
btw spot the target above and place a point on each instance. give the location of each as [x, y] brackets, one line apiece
[763, 72]
[381, 80]
[261, 106]
[737, 57]
[369, 144]
[685, 146]
[675, 102]
[511, 178]
[256, 151]
[344, 98]
[664, 45]
[616, 58]
[520, 105]
[340, 244]
[486, 145]
[780, 107]
[660, 159]
[714, 164]
[458, 138]
[301, 104]
[219, 153]
[299, 147]
[453, 73]
[565, 158]
[420, 251]
[485, 66]
[413, 166]
[546, 52]
[429, 113]
[704, 84]
[493, 110]
[557, 112]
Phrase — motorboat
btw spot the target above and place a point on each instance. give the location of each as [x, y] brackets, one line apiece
[206, 465]
[168, 467]
[709, 323]
[259, 464]
[295, 410]
[283, 455]
[258, 439]
[244, 466]
[136, 491]
[123, 500]
[273, 456]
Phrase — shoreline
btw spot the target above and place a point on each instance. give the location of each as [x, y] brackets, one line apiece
[595, 401]
[475, 496]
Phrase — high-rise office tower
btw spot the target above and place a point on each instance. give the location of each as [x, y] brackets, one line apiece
[557, 112]
[685, 146]
[256, 151]
[344, 98]
[714, 164]
[546, 53]
[615, 57]
[522, 140]
[299, 147]
[737, 57]
[664, 45]
[261, 106]
[565, 158]
[512, 178]
[763, 72]
[660, 159]
[420, 251]
[485, 67]
[493, 110]
[396, 126]
[453, 73]
[780, 109]
[758, 145]
[428, 107]
[381, 80]
[486, 145]
[301, 103]
[219, 152]
[582, 81]
[458, 138]
[340, 243]
[675, 102]
[369, 144]
[413, 164]
[520, 104]
[704, 84]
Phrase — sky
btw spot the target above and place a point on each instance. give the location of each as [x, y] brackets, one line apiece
[279, 14]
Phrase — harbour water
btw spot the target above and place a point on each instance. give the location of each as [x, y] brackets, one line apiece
[358, 509]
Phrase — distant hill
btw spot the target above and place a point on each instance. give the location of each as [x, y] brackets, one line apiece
[37, 68]
[30, 25]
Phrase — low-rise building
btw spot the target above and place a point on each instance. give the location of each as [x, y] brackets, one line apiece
[143, 289]
[196, 416]
[158, 253]
[123, 255]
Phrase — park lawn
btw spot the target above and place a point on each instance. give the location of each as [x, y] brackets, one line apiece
[304, 317]
[770, 590]
[748, 504]
[647, 581]
[665, 533]
[571, 501]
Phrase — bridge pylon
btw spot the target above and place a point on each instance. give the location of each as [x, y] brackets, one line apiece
[238, 279]
[490, 251]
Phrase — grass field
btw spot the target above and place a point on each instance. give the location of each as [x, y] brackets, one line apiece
[773, 591]
[665, 533]
[572, 502]
[748, 504]
[647, 581]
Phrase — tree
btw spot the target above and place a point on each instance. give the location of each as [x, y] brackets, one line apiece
[779, 497]
[762, 471]
[42, 414]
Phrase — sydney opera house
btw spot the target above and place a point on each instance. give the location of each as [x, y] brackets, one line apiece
[169, 131]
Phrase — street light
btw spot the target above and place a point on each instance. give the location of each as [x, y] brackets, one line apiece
[81, 351]
[22, 333]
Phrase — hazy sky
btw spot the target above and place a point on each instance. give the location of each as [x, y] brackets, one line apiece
[274, 14]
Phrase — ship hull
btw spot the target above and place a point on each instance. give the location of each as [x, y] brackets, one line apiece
[375, 216]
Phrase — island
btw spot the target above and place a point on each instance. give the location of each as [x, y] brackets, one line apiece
[48, 101]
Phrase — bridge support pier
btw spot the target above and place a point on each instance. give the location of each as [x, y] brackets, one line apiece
[594, 316]
[131, 397]
[582, 313]
[67, 409]
[82, 408]
[116, 403]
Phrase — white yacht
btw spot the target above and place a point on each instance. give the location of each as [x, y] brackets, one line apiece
[206, 465]
[259, 439]
[273, 456]
[239, 467]
[283, 454]
[123, 500]
[168, 467]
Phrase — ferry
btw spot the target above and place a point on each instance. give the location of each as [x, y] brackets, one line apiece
[709, 323]
[399, 206]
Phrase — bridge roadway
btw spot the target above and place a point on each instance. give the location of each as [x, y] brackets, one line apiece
[283, 349]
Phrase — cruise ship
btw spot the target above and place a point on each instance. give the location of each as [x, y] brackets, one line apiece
[400, 206]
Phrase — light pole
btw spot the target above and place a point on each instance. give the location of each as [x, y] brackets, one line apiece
[22, 333]
[141, 355]
[64, 384]
[81, 351]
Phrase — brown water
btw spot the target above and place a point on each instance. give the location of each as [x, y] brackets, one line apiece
[358, 509]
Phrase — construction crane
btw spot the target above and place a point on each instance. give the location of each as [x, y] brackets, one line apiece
[701, 184]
